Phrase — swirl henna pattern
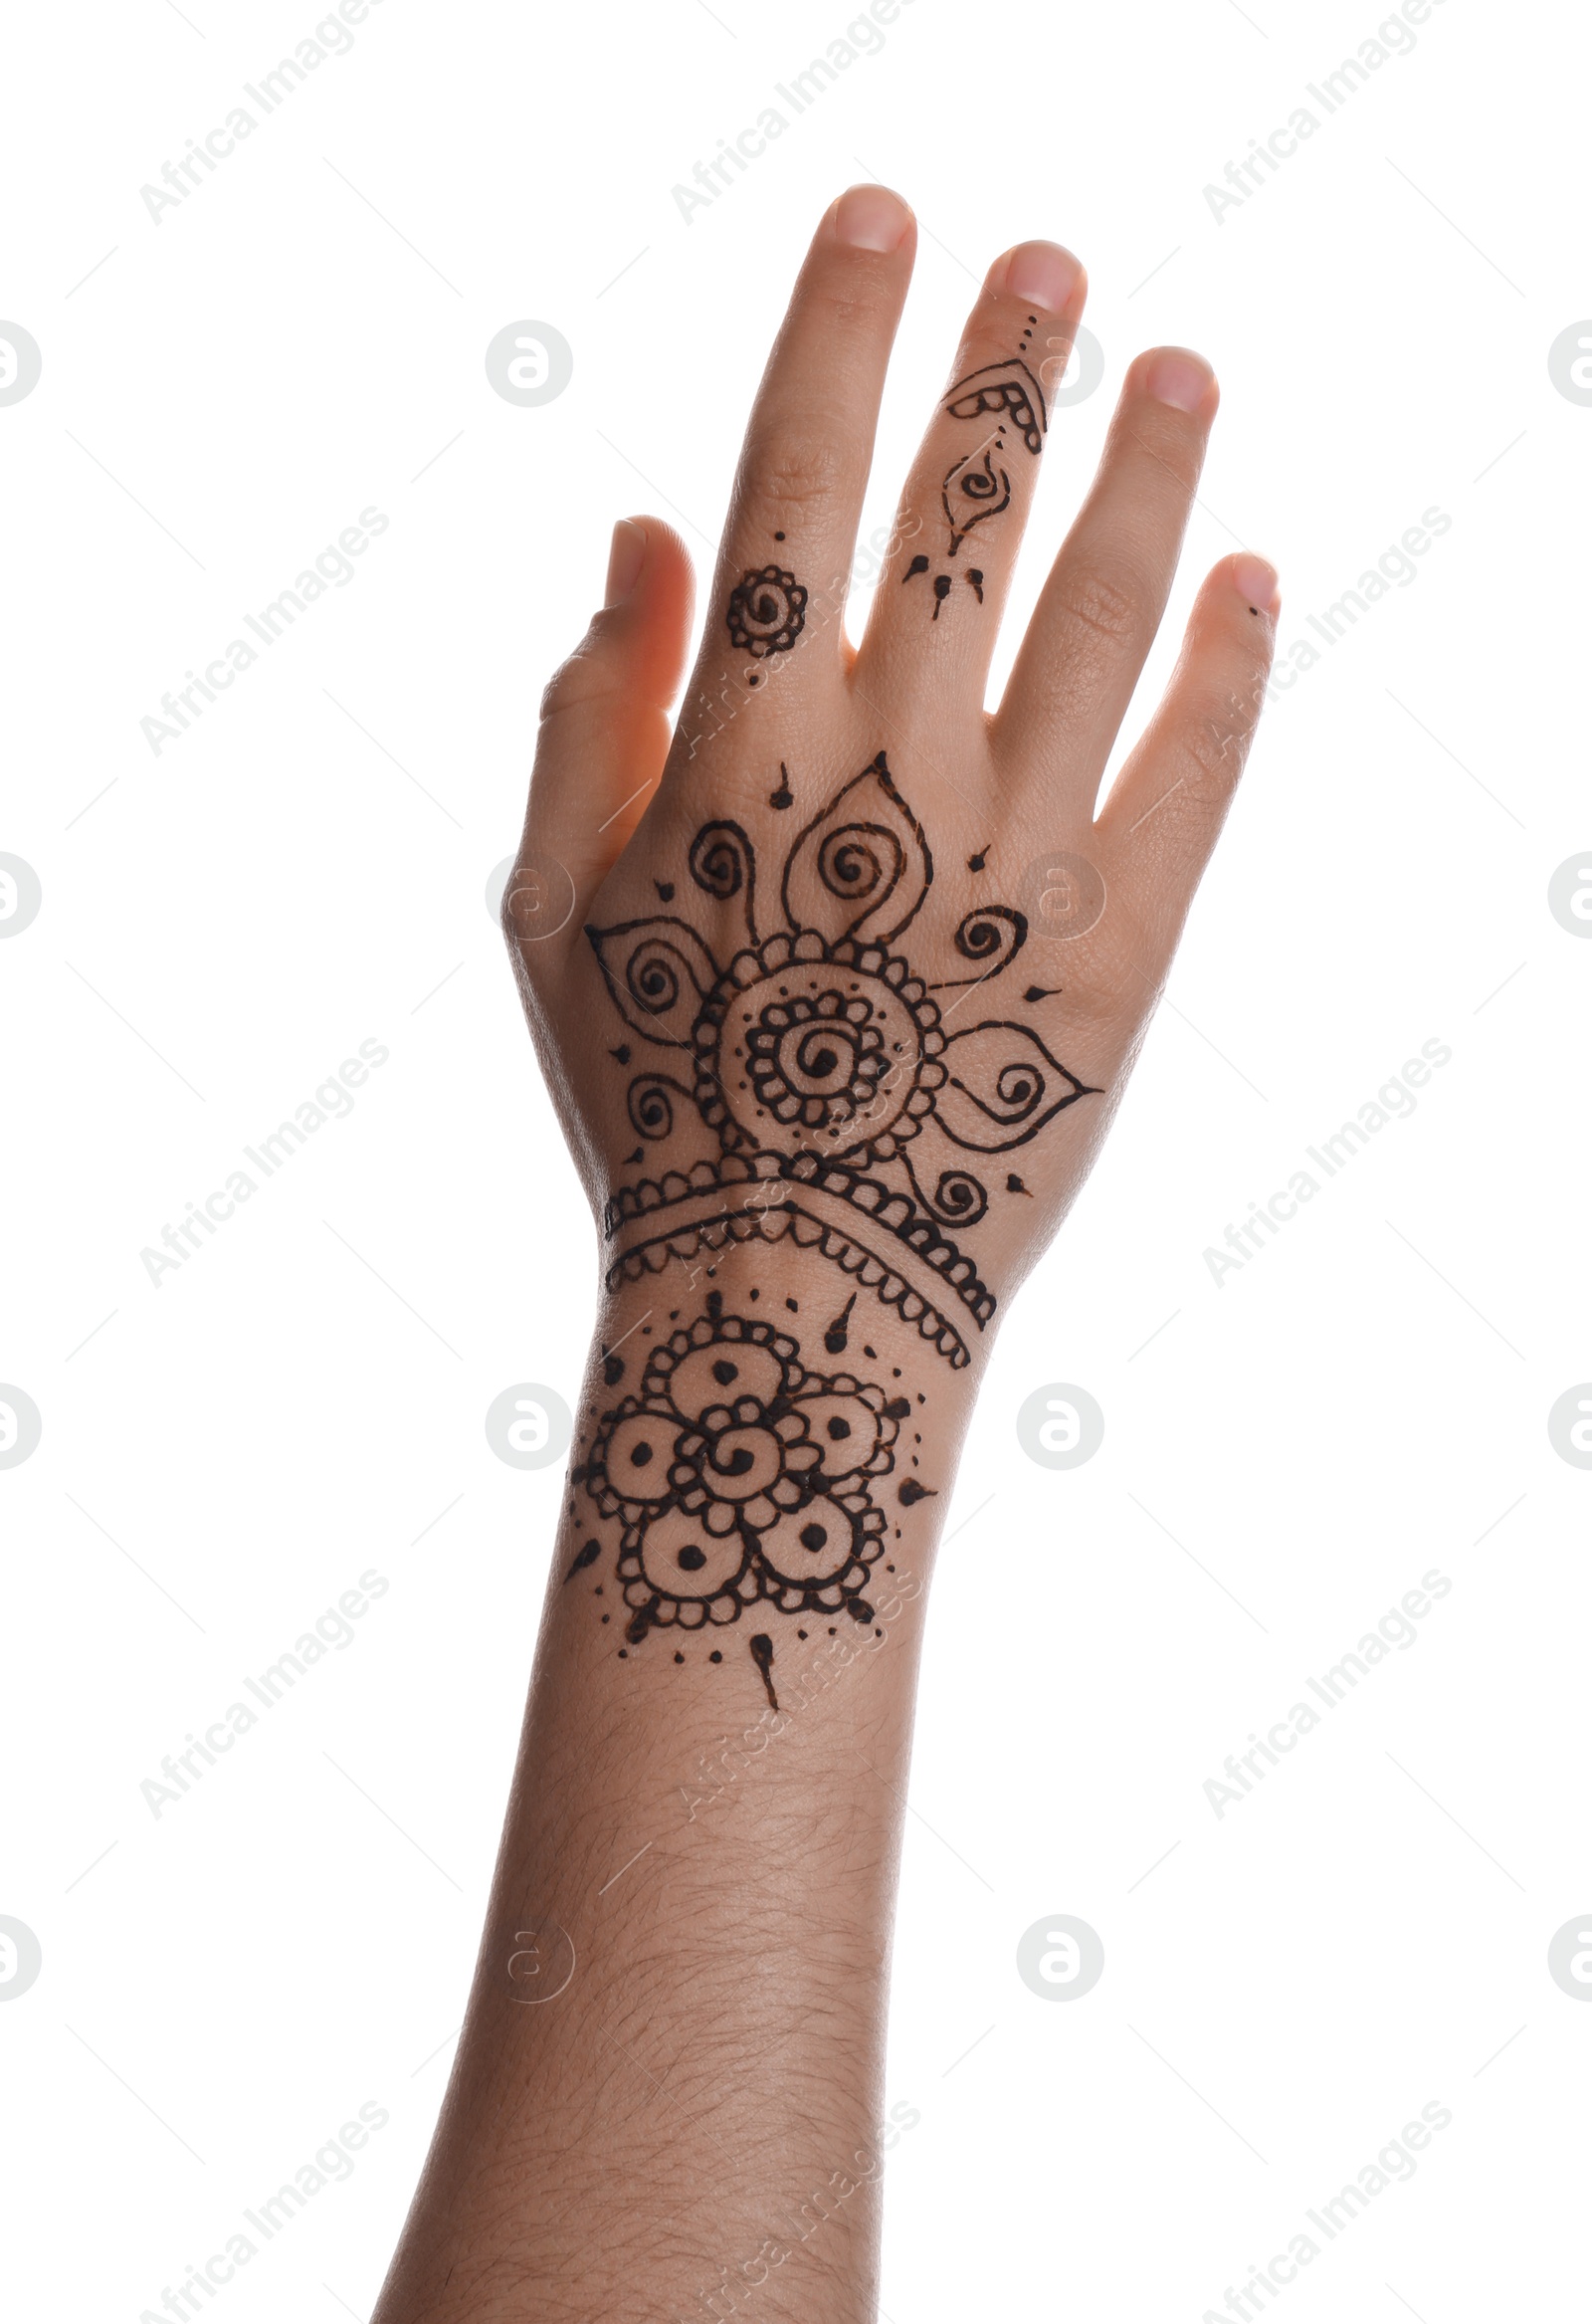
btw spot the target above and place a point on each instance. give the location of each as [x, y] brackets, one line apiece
[766, 612]
[817, 1056]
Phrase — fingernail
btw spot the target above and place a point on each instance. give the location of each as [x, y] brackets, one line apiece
[624, 558]
[1180, 379]
[871, 217]
[1041, 271]
[1255, 582]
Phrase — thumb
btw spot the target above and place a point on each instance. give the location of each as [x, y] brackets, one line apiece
[605, 727]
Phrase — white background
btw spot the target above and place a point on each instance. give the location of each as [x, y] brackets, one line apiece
[302, 339]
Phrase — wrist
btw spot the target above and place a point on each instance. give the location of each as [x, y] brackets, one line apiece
[759, 1463]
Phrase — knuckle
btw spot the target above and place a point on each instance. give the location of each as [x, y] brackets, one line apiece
[835, 310]
[1101, 606]
[1215, 744]
[794, 474]
[580, 678]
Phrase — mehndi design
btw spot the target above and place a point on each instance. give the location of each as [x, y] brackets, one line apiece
[819, 1059]
[743, 1480]
[766, 611]
[977, 486]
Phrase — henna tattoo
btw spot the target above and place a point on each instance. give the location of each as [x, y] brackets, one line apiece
[723, 864]
[817, 1055]
[974, 490]
[766, 611]
[1009, 388]
[993, 935]
[742, 1479]
[977, 486]
[835, 1335]
[942, 581]
[763, 1653]
[784, 796]
[958, 1198]
[647, 1103]
[586, 1554]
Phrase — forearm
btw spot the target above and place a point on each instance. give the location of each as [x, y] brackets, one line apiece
[834, 1049]
[667, 2092]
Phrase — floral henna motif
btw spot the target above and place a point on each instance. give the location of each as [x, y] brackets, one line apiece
[821, 1060]
[743, 1479]
[766, 612]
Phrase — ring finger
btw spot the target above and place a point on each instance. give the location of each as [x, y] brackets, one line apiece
[968, 495]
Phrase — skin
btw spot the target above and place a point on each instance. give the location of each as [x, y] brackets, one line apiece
[668, 2096]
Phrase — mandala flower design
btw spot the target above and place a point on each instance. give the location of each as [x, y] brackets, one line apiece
[822, 1039]
[766, 612]
[804, 1045]
[740, 1476]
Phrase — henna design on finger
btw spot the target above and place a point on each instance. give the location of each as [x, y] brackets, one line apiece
[766, 612]
[920, 564]
[977, 486]
[974, 488]
[1009, 388]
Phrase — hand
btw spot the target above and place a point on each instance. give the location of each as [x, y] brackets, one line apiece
[845, 929]
[835, 990]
